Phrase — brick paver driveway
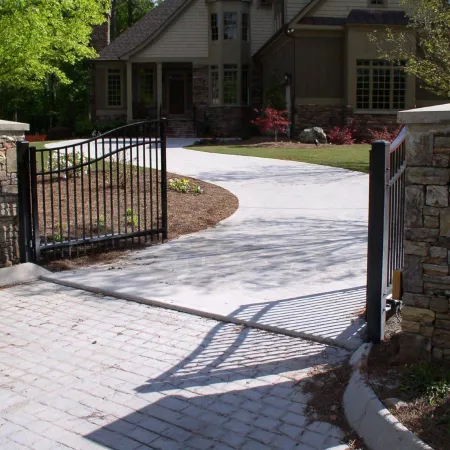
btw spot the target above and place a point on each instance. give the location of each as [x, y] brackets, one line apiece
[83, 371]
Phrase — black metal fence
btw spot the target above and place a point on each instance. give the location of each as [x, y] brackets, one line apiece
[109, 191]
[386, 228]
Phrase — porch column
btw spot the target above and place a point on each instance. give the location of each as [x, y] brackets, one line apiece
[159, 90]
[129, 91]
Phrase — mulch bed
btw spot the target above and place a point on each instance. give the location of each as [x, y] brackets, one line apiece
[388, 375]
[187, 212]
[326, 386]
[264, 141]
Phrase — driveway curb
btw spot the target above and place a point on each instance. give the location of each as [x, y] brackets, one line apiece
[21, 273]
[348, 345]
[369, 417]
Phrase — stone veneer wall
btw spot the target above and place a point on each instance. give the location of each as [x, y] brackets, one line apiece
[224, 121]
[9, 220]
[426, 318]
[329, 116]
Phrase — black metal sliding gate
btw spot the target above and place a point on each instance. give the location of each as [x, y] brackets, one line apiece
[386, 228]
[109, 191]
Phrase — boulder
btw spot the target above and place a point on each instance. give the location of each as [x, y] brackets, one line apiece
[309, 135]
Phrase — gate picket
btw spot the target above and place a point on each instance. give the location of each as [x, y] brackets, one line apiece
[93, 193]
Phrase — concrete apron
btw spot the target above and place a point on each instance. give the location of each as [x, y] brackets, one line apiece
[292, 259]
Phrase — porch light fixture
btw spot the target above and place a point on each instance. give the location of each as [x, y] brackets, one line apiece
[287, 78]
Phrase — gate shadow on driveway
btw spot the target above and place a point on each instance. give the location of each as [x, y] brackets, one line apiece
[239, 386]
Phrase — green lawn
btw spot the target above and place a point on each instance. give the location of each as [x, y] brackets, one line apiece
[351, 157]
[41, 144]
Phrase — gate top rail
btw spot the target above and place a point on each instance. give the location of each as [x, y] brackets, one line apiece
[398, 140]
[109, 133]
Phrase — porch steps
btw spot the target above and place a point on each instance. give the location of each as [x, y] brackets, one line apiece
[180, 128]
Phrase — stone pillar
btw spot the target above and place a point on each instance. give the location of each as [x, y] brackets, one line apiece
[10, 132]
[426, 282]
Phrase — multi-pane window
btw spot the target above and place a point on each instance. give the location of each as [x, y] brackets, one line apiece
[245, 27]
[244, 86]
[114, 87]
[229, 25]
[377, 2]
[215, 92]
[146, 86]
[230, 84]
[380, 84]
[214, 27]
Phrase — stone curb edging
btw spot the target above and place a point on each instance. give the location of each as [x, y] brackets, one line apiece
[349, 345]
[366, 414]
[21, 273]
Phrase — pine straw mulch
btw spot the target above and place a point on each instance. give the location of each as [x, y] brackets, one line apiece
[187, 212]
[325, 386]
[387, 373]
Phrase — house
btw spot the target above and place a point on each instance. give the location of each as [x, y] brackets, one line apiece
[206, 64]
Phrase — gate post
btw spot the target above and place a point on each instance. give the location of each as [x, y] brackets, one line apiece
[163, 177]
[24, 203]
[377, 240]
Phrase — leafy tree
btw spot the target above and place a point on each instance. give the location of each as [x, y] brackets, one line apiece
[125, 13]
[39, 37]
[425, 45]
[271, 119]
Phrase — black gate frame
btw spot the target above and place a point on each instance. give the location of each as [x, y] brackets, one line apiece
[149, 134]
[386, 228]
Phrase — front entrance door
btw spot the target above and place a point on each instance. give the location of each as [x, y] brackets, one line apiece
[176, 95]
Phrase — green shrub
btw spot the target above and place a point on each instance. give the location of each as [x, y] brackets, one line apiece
[131, 218]
[184, 186]
[429, 379]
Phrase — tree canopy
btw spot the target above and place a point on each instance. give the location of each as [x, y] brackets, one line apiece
[39, 37]
[425, 45]
[124, 13]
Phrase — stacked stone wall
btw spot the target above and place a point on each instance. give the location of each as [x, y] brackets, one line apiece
[426, 318]
[9, 220]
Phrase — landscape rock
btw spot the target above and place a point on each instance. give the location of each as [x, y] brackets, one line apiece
[395, 403]
[308, 135]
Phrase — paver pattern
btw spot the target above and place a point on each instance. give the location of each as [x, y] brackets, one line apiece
[293, 256]
[83, 371]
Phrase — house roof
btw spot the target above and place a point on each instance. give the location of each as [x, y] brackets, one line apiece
[143, 30]
[360, 16]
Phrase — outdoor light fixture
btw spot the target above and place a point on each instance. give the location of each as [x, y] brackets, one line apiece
[287, 78]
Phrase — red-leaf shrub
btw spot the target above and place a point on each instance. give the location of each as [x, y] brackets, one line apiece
[384, 134]
[342, 135]
[271, 119]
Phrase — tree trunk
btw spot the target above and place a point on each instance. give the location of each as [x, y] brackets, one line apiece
[276, 136]
[113, 25]
[130, 13]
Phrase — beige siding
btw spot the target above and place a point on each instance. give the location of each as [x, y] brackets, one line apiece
[186, 37]
[320, 68]
[261, 25]
[293, 7]
[341, 8]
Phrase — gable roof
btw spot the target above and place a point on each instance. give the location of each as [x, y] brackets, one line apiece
[143, 30]
[305, 10]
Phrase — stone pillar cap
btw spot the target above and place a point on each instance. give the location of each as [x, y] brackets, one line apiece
[431, 114]
[7, 125]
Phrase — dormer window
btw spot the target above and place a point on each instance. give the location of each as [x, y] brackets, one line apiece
[229, 26]
[214, 27]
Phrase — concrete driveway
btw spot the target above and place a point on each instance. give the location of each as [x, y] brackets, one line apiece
[292, 258]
